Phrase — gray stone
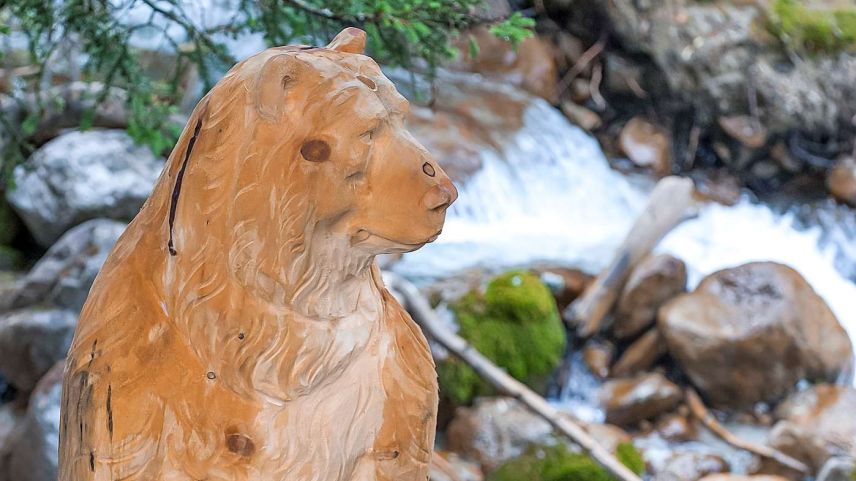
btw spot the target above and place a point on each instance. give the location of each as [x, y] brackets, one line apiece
[35, 451]
[32, 341]
[63, 276]
[80, 176]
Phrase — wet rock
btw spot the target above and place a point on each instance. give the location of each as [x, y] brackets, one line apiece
[841, 181]
[749, 333]
[495, 430]
[646, 145]
[607, 435]
[581, 116]
[838, 469]
[654, 281]
[566, 284]
[63, 276]
[640, 355]
[677, 427]
[34, 455]
[32, 341]
[598, 356]
[451, 467]
[11, 416]
[746, 130]
[690, 466]
[628, 401]
[741, 477]
[532, 67]
[80, 176]
[817, 424]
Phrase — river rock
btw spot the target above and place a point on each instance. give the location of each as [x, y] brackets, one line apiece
[646, 145]
[32, 341]
[677, 427]
[749, 333]
[838, 469]
[640, 355]
[11, 417]
[690, 466]
[494, 430]
[741, 477]
[532, 66]
[34, 454]
[598, 356]
[63, 276]
[841, 180]
[628, 401]
[817, 424]
[80, 176]
[655, 280]
[451, 467]
[566, 284]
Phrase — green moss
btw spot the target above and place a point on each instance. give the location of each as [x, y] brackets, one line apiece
[515, 323]
[630, 457]
[557, 463]
[9, 224]
[811, 30]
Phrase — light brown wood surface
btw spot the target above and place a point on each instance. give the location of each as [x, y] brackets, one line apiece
[240, 329]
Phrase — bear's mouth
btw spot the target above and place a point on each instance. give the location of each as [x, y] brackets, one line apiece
[362, 236]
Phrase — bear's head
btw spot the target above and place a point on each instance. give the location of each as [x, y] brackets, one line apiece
[296, 167]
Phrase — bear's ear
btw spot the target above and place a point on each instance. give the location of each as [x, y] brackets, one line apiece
[349, 40]
[275, 84]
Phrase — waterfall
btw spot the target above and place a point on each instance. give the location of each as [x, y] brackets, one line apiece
[552, 197]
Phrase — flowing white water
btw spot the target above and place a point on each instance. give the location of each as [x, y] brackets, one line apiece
[554, 198]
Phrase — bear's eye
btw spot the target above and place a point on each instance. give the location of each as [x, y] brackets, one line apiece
[315, 150]
[370, 134]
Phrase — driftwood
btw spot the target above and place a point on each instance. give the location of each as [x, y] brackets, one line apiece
[698, 410]
[672, 201]
[422, 313]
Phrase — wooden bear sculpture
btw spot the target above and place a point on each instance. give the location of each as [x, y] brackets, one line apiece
[240, 329]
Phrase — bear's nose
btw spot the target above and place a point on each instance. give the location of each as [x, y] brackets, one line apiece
[441, 196]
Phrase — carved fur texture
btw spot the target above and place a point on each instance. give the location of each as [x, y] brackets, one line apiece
[240, 329]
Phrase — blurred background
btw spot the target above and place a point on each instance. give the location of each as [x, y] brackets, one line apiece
[556, 119]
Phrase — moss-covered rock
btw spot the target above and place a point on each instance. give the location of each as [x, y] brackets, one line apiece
[515, 323]
[818, 30]
[557, 463]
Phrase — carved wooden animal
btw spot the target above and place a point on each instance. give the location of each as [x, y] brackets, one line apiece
[240, 329]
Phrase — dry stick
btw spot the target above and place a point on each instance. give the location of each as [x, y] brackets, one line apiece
[698, 409]
[422, 313]
[581, 64]
[671, 202]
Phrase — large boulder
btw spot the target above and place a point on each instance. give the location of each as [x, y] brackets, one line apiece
[749, 333]
[817, 424]
[63, 276]
[35, 451]
[628, 401]
[712, 53]
[655, 280]
[32, 341]
[80, 176]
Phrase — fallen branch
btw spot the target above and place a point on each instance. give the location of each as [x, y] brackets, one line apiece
[581, 64]
[671, 202]
[422, 313]
[699, 410]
